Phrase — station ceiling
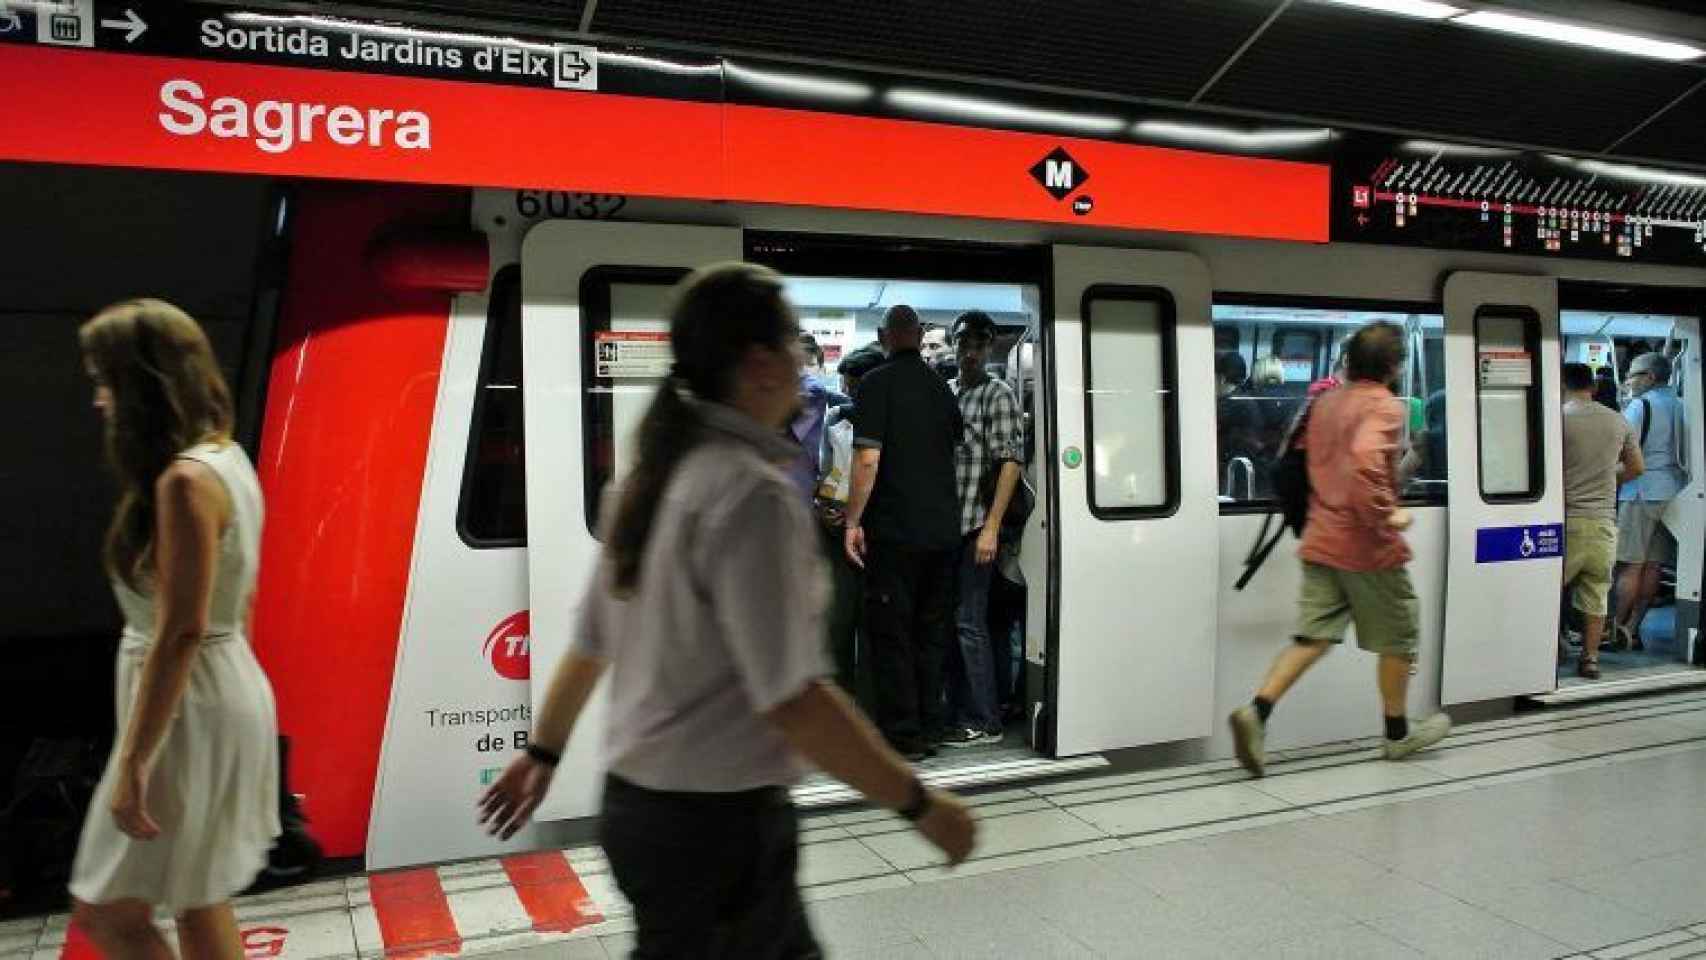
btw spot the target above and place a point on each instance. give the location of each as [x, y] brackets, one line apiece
[1292, 59]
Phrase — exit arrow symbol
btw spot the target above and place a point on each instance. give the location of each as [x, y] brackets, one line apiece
[133, 25]
[571, 66]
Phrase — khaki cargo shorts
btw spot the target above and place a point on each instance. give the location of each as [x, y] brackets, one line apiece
[1641, 533]
[1382, 604]
[1590, 549]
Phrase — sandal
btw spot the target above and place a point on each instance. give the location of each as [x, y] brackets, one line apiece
[1587, 669]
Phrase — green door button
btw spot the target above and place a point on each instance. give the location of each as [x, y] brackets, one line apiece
[1072, 457]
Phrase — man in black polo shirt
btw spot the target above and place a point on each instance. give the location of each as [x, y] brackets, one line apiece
[903, 527]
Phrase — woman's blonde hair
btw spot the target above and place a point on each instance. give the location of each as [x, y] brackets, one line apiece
[167, 395]
[1269, 372]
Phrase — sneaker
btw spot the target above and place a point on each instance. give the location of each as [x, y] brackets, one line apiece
[965, 737]
[1248, 735]
[1422, 736]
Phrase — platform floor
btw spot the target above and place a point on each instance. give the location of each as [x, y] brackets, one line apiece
[1574, 832]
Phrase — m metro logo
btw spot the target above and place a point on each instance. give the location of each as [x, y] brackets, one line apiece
[1059, 174]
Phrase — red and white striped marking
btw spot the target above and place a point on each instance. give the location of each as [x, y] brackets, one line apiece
[456, 909]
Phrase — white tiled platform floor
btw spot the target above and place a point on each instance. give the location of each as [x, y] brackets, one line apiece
[1569, 833]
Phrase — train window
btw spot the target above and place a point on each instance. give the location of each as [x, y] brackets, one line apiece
[624, 351]
[492, 511]
[1507, 399]
[1131, 403]
[1298, 350]
[1254, 412]
[1423, 386]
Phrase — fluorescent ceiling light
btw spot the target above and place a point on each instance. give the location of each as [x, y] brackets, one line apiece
[821, 87]
[964, 108]
[1580, 36]
[1205, 134]
[1626, 171]
[1426, 9]
[656, 63]
[1454, 149]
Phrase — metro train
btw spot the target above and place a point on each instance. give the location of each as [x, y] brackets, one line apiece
[1133, 634]
[455, 370]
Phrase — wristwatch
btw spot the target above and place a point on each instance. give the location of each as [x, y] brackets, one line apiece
[919, 805]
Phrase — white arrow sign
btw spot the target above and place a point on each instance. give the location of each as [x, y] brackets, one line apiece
[132, 24]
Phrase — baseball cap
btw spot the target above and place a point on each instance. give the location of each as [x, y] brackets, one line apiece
[1651, 363]
[974, 321]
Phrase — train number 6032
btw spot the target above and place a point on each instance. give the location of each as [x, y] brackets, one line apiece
[559, 205]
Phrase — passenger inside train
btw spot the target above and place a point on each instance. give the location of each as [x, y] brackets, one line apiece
[981, 647]
[1638, 363]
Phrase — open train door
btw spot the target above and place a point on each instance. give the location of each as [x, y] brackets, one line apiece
[594, 346]
[1506, 486]
[1131, 652]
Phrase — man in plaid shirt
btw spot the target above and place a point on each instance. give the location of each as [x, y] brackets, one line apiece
[987, 457]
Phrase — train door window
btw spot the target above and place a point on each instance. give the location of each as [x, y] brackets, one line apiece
[1299, 351]
[492, 511]
[1423, 387]
[625, 355]
[626, 351]
[1507, 388]
[1253, 417]
[1131, 405]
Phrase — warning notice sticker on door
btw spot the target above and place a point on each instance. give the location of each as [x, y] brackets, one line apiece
[1507, 368]
[632, 355]
[1543, 541]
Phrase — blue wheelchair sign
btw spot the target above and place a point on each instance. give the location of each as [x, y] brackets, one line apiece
[1543, 541]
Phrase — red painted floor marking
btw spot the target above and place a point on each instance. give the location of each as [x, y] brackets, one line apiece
[261, 943]
[554, 896]
[414, 914]
[78, 946]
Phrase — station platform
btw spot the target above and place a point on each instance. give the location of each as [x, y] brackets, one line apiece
[1570, 832]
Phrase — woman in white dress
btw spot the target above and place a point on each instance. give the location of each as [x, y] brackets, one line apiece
[187, 809]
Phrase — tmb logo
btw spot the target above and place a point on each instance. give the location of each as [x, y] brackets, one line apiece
[506, 647]
[1059, 174]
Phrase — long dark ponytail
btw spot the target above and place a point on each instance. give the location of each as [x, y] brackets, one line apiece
[719, 312]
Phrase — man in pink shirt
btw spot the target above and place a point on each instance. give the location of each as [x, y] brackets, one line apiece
[1353, 550]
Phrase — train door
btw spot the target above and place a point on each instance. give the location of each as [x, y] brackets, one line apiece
[1666, 621]
[1506, 488]
[1132, 652]
[594, 346]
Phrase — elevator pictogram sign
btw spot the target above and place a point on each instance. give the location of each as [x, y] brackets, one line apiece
[1059, 173]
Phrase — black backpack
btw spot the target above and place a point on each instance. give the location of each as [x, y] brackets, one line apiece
[1290, 479]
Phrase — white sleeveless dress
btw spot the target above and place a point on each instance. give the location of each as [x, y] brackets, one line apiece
[214, 786]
